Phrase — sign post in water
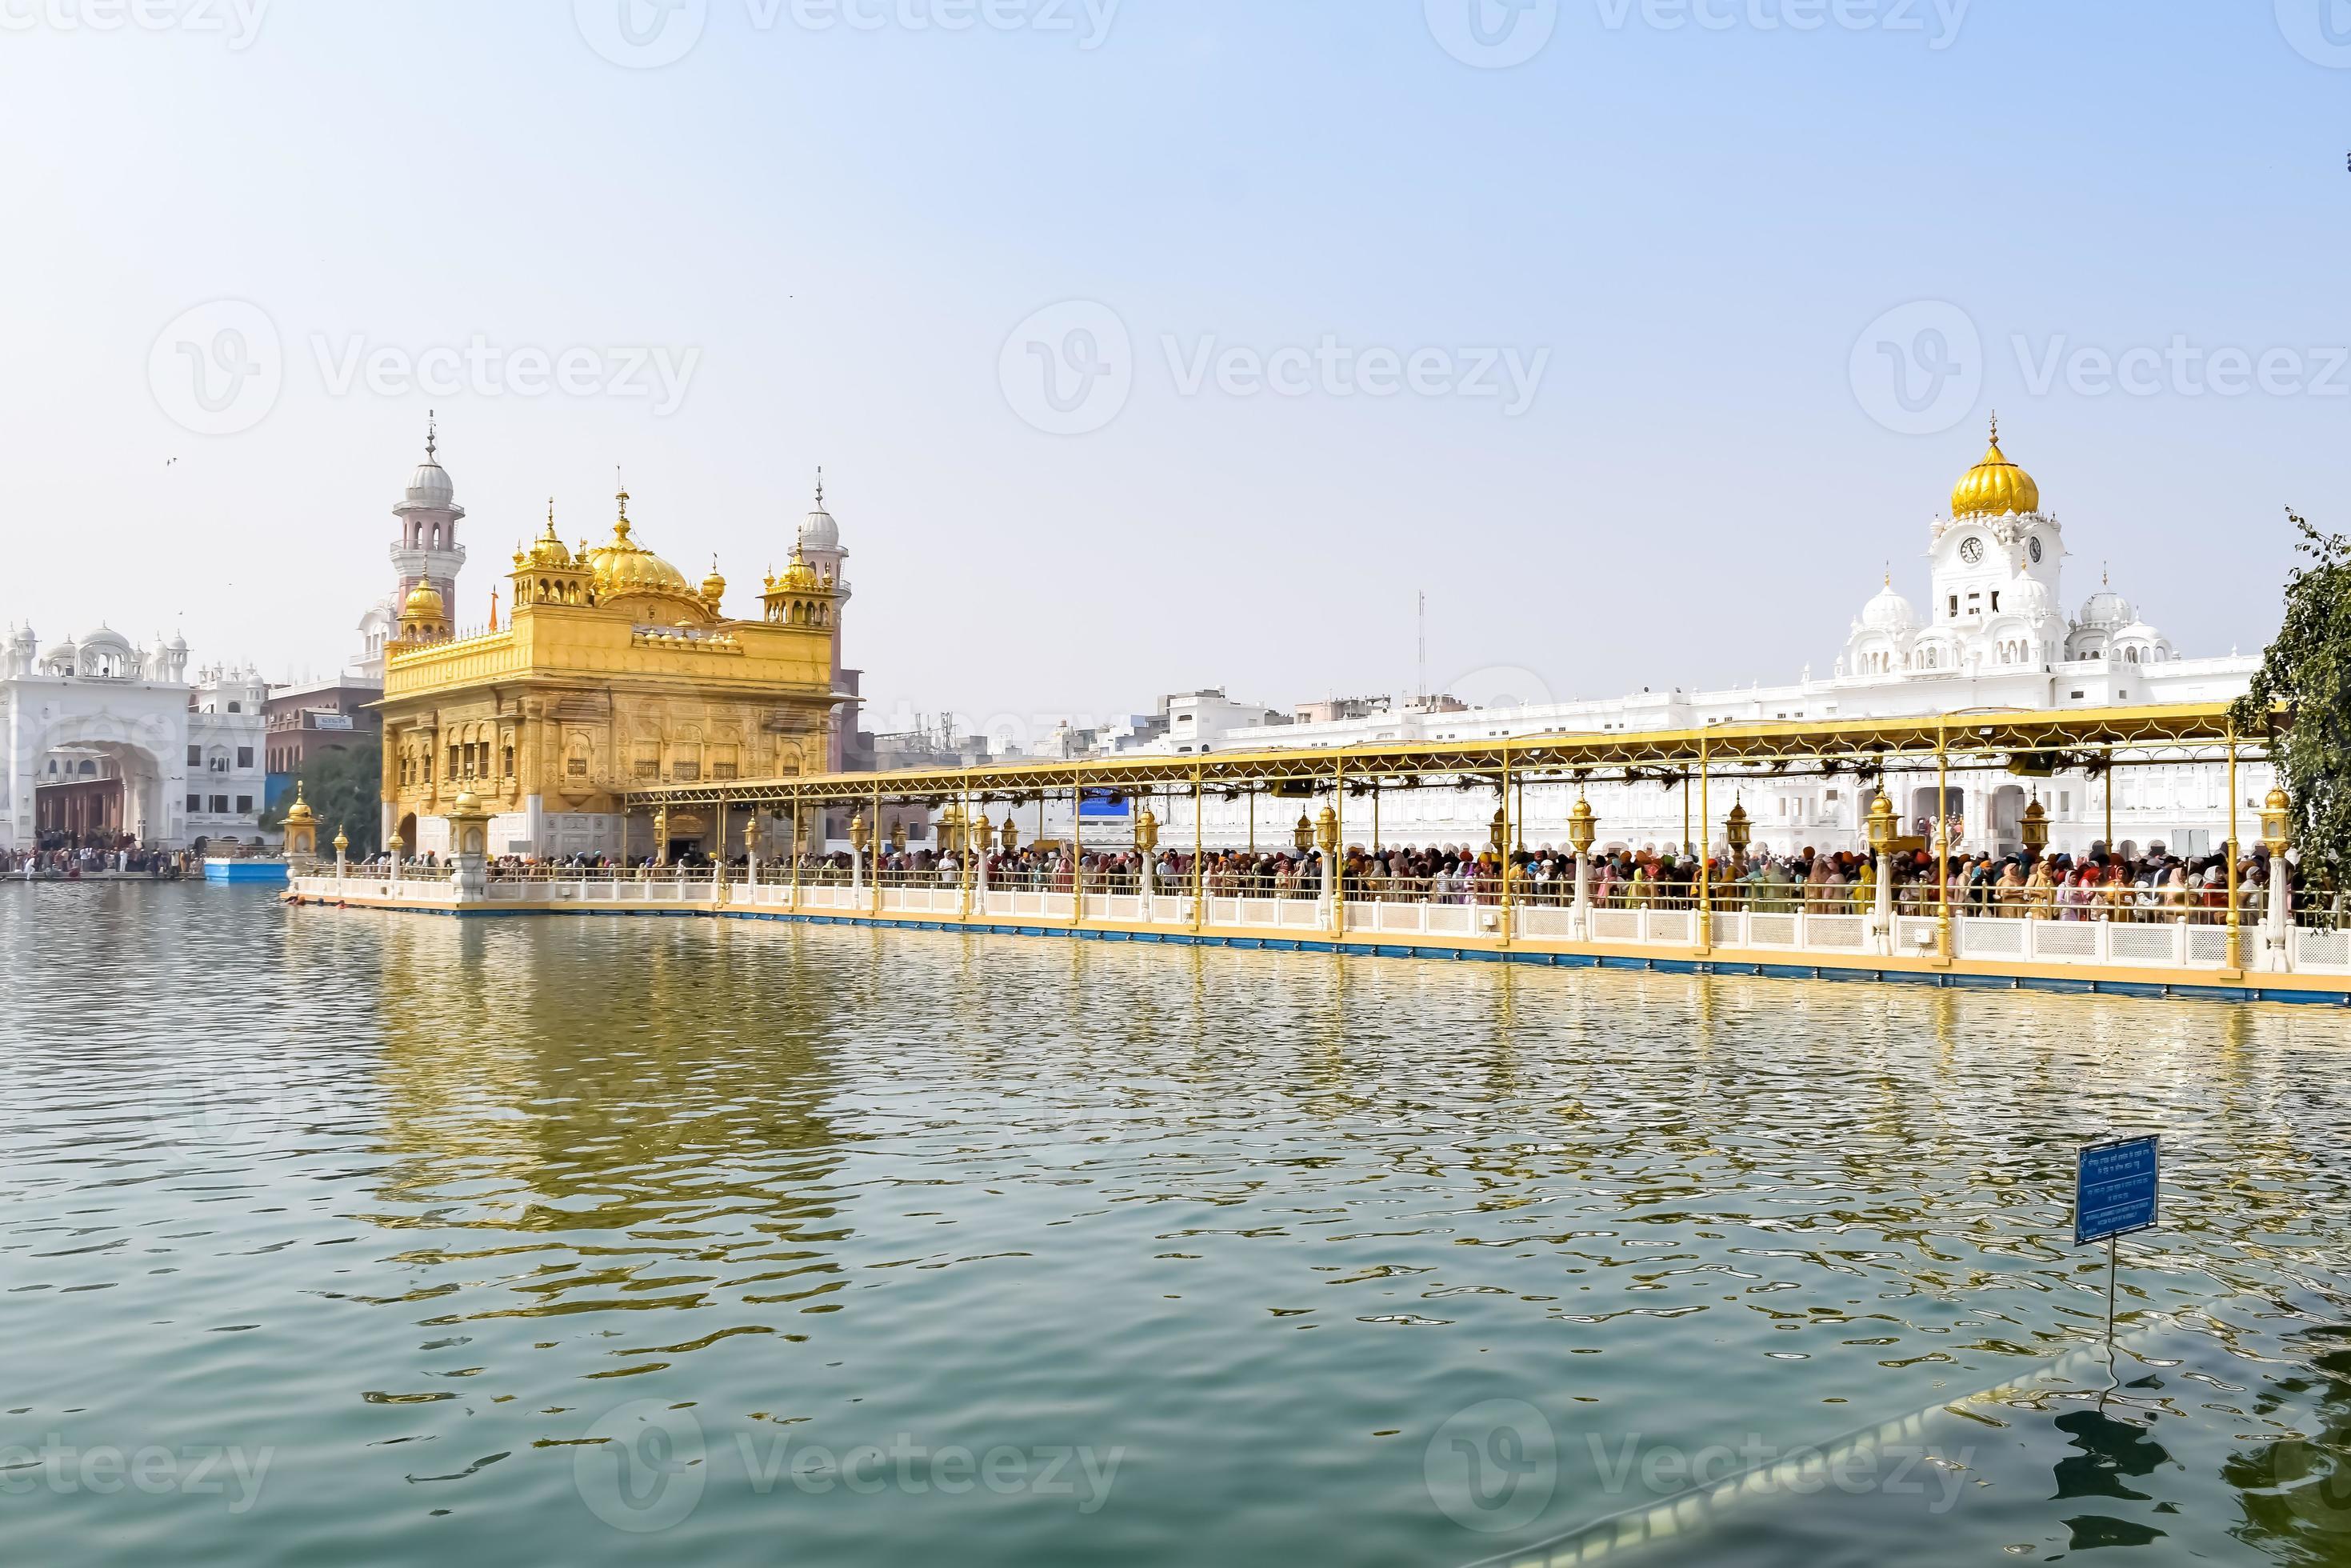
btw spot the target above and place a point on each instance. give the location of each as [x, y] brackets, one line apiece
[2114, 1194]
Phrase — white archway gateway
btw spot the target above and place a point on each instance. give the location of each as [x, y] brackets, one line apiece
[134, 738]
[101, 738]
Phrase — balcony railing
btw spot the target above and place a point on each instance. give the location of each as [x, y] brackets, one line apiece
[1826, 924]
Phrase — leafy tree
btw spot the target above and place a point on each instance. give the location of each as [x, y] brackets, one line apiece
[345, 789]
[2300, 701]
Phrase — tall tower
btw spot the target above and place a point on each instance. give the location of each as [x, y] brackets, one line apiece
[427, 549]
[820, 546]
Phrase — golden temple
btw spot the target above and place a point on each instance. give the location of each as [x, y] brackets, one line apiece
[612, 674]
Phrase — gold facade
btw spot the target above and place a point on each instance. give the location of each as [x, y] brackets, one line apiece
[614, 674]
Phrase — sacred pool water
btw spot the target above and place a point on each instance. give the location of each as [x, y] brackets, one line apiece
[334, 1237]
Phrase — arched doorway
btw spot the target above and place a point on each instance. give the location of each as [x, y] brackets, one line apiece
[407, 831]
[100, 782]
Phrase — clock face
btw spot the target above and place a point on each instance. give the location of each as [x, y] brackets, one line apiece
[1971, 551]
[2036, 552]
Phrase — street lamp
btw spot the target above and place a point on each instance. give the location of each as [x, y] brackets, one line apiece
[1147, 832]
[1011, 834]
[1326, 832]
[1737, 832]
[982, 832]
[951, 828]
[1303, 834]
[1499, 832]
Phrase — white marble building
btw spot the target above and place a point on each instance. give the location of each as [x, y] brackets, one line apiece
[1992, 636]
[186, 758]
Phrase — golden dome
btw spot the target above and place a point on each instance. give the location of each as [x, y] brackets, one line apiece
[1995, 485]
[623, 567]
[799, 575]
[423, 602]
[300, 810]
[714, 586]
[546, 550]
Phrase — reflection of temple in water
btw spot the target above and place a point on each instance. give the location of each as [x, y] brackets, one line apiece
[601, 1078]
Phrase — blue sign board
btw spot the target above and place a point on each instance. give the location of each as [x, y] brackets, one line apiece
[1100, 803]
[2114, 1189]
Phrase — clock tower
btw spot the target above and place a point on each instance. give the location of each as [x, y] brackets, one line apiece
[1997, 559]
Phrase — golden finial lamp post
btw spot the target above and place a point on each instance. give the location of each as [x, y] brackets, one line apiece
[2034, 829]
[859, 837]
[751, 854]
[1303, 834]
[983, 845]
[1326, 835]
[1581, 834]
[1883, 831]
[469, 846]
[1146, 846]
[301, 832]
[392, 846]
[2277, 890]
[342, 850]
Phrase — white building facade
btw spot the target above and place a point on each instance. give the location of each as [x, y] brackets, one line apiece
[118, 733]
[1992, 637]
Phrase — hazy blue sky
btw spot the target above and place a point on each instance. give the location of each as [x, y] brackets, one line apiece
[1686, 217]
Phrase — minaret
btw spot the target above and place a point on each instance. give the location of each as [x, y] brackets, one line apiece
[426, 550]
[819, 543]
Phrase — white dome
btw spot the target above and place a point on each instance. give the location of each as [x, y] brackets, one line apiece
[818, 531]
[2139, 631]
[1889, 611]
[105, 636]
[2107, 607]
[64, 651]
[430, 485]
[2031, 599]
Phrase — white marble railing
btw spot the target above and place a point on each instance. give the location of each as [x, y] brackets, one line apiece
[1844, 936]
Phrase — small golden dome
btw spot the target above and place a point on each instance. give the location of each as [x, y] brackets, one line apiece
[423, 602]
[714, 586]
[1994, 486]
[300, 813]
[546, 550]
[799, 575]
